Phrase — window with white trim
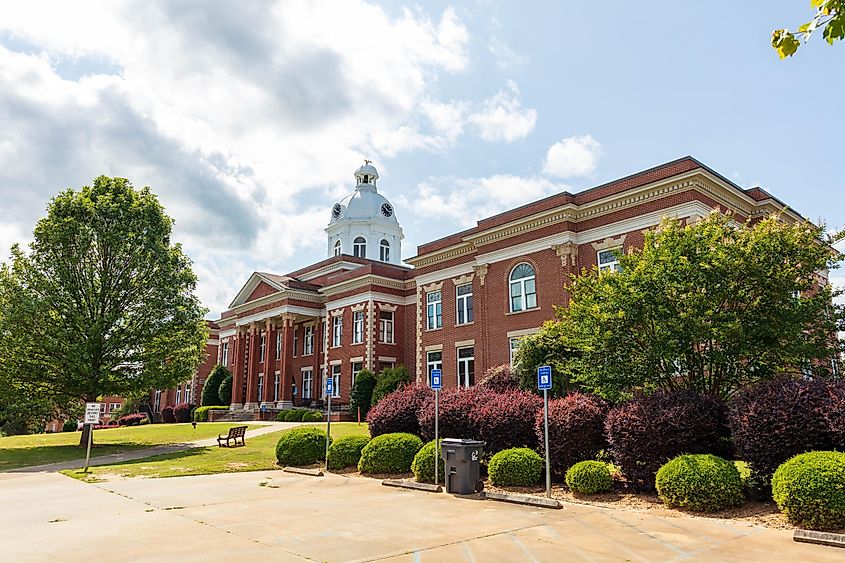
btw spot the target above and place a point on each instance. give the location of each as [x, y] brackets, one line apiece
[309, 341]
[434, 309]
[188, 392]
[357, 327]
[385, 330]
[336, 380]
[359, 247]
[463, 300]
[608, 260]
[384, 250]
[225, 354]
[337, 248]
[466, 366]
[295, 340]
[262, 347]
[113, 407]
[523, 289]
[260, 387]
[278, 345]
[434, 360]
[307, 383]
[102, 408]
[337, 330]
[277, 386]
[514, 346]
[157, 401]
[178, 394]
[356, 369]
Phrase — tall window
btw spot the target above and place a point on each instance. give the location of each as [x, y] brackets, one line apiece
[522, 288]
[262, 347]
[225, 355]
[466, 367]
[463, 295]
[188, 397]
[336, 380]
[157, 401]
[359, 247]
[608, 260]
[278, 344]
[514, 346]
[434, 309]
[337, 330]
[277, 383]
[337, 248]
[385, 330]
[307, 383]
[178, 394]
[309, 340]
[356, 369]
[260, 387]
[357, 327]
[384, 250]
[295, 340]
[434, 360]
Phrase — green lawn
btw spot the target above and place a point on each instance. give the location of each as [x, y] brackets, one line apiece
[258, 454]
[37, 449]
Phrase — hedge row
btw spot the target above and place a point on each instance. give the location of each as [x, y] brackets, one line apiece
[299, 415]
[201, 413]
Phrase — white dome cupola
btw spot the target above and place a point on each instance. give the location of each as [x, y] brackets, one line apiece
[364, 223]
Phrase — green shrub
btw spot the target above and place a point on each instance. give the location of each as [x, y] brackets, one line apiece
[516, 467]
[224, 392]
[423, 465]
[589, 477]
[312, 416]
[200, 414]
[301, 446]
[701, 482]
[361, 396]
[388, 381]
[280, 416]
[810, 490]
[211, 389]
[389, 453]
[294, 415]
[345, 452]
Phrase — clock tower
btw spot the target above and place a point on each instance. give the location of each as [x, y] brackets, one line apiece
[364, 223]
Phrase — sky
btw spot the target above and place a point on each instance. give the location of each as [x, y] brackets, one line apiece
[248, 119]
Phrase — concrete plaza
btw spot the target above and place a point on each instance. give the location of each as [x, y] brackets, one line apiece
[274, 516]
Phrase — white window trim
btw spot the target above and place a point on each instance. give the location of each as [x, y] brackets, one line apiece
[262, 347]
[335, 375]
[523, 293]
[465, 361]
[383, 328]
[337, 331]
[463, 299]
[358, 327]
[433, 305]
[307, 375]
[608, 266]
[308, 345]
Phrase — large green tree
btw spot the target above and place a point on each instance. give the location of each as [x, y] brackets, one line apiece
[103, 302]
[710, 306]
[829, 18]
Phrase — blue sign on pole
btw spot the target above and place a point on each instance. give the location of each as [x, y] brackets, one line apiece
[436, 379]
[329, 386]
[544, 377]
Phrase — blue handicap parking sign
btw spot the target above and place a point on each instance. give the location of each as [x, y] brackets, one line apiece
[544, 377]
[329, 386]
[436, 379]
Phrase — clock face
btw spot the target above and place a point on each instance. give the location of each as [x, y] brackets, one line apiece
[336, 210]
[386, 209]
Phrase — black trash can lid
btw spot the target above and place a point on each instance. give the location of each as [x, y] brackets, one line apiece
[469, 442]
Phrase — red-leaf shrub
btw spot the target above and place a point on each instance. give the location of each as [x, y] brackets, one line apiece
[182, 412]
[647, 431]
[398, 411]
[835, 414]
[131, 419]
[776, 420]
[500, 379]
[506, 420]
[456, 406]
[167, 414]
[576, 429]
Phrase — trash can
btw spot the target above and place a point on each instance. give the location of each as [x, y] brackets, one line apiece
[462, 465]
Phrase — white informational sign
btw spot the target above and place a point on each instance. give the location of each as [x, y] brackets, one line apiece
[92, 413]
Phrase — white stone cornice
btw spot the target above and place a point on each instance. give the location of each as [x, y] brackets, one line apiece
[363, 281]
[387, 307]
[374, 295]
[328, 269]
[609, 242]
[436, 286]
[465, 279]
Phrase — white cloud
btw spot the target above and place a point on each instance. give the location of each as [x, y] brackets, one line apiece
[502, 117]
[573, 156]
[506, 58]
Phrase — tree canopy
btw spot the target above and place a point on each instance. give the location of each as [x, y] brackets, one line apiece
[710, 306]
[829, 17]
[103, 302]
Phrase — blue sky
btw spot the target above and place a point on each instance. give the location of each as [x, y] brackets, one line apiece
[248, 122]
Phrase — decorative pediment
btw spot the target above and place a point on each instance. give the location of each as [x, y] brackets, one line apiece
[257, 286]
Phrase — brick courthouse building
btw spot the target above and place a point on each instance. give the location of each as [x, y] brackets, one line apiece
[466, 301]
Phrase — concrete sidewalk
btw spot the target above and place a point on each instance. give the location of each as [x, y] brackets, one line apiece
[274, 516]
[267, 427]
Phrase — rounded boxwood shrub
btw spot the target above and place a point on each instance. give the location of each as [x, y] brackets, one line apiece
[280, 416]
[810, 490]
[294, 415]
[516, 467]
[576, 429]
[702, 482]
[423, 465]
[389, 453]
[506, 420]
[649, 430]
[312, 416]
[345, 452]
[200, 414]
[589, 477]
[301, 446]
[398, 411]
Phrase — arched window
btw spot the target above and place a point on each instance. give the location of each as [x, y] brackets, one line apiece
[359, 247]
[523, 289]
[384, 250]
[337, 248]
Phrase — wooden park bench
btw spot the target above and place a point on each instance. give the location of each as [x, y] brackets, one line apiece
[234, 433]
